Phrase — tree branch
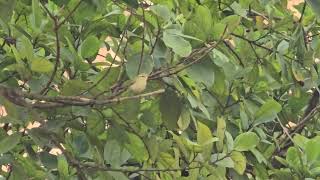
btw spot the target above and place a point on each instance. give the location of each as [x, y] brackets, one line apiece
[43, 102]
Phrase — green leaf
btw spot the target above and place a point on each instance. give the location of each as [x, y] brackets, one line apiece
[36, 16]
[184, 119]
[231, 22]
[161, 11]
[312, 150]
[170, 115]
[137, 148]
[223, 61]
[63, 166]
[218, 30]
[79, 143]
[48, 160]
[222, 160]
[73, 86]
[90, 47]
[315, 5]
[229, 139]
[114, 154]
[9, 142]
[293, 158]
[239, 162]
[41, 65]
[202, 72]
[132, 66]
[246, 141]
[200, 25]
[95, 124]
[267, 112]
[167, 160]
[6, 9]
[259, 156]
[25, 48]
[178, 44]
[300, 141]
[217, 173]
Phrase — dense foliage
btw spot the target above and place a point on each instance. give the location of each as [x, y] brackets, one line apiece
[191, 89]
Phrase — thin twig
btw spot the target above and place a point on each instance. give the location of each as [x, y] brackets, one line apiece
[142, 42]
[234, 53]
[70, 14]
[302, 12]
[157, 37]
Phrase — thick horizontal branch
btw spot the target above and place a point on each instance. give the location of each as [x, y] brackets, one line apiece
[21, 98]
[133, 170]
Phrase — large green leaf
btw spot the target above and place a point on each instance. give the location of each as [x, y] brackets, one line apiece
[246, 141]
[267, 112]
[63, 166]
[6, 9]
[201, 24]
[114, 154]
[315, 5]
[136, 148]
[161, 11]
[312, 150]
[293, 158]
[89, 47]
[169, 114]
[222, 160]
[178, 44]
[73, 87]
[9, 142]
[202, 72]
[146, 65]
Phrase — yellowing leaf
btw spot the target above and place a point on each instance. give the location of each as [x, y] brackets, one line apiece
[239, 162]
[259, 22]
[203, 136]
[221, 127]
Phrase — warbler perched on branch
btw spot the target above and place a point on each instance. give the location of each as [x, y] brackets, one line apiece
[139, 84]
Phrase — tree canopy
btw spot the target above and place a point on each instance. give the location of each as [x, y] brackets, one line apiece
[188, 89]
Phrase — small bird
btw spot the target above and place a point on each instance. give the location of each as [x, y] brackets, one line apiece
[139, 84]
